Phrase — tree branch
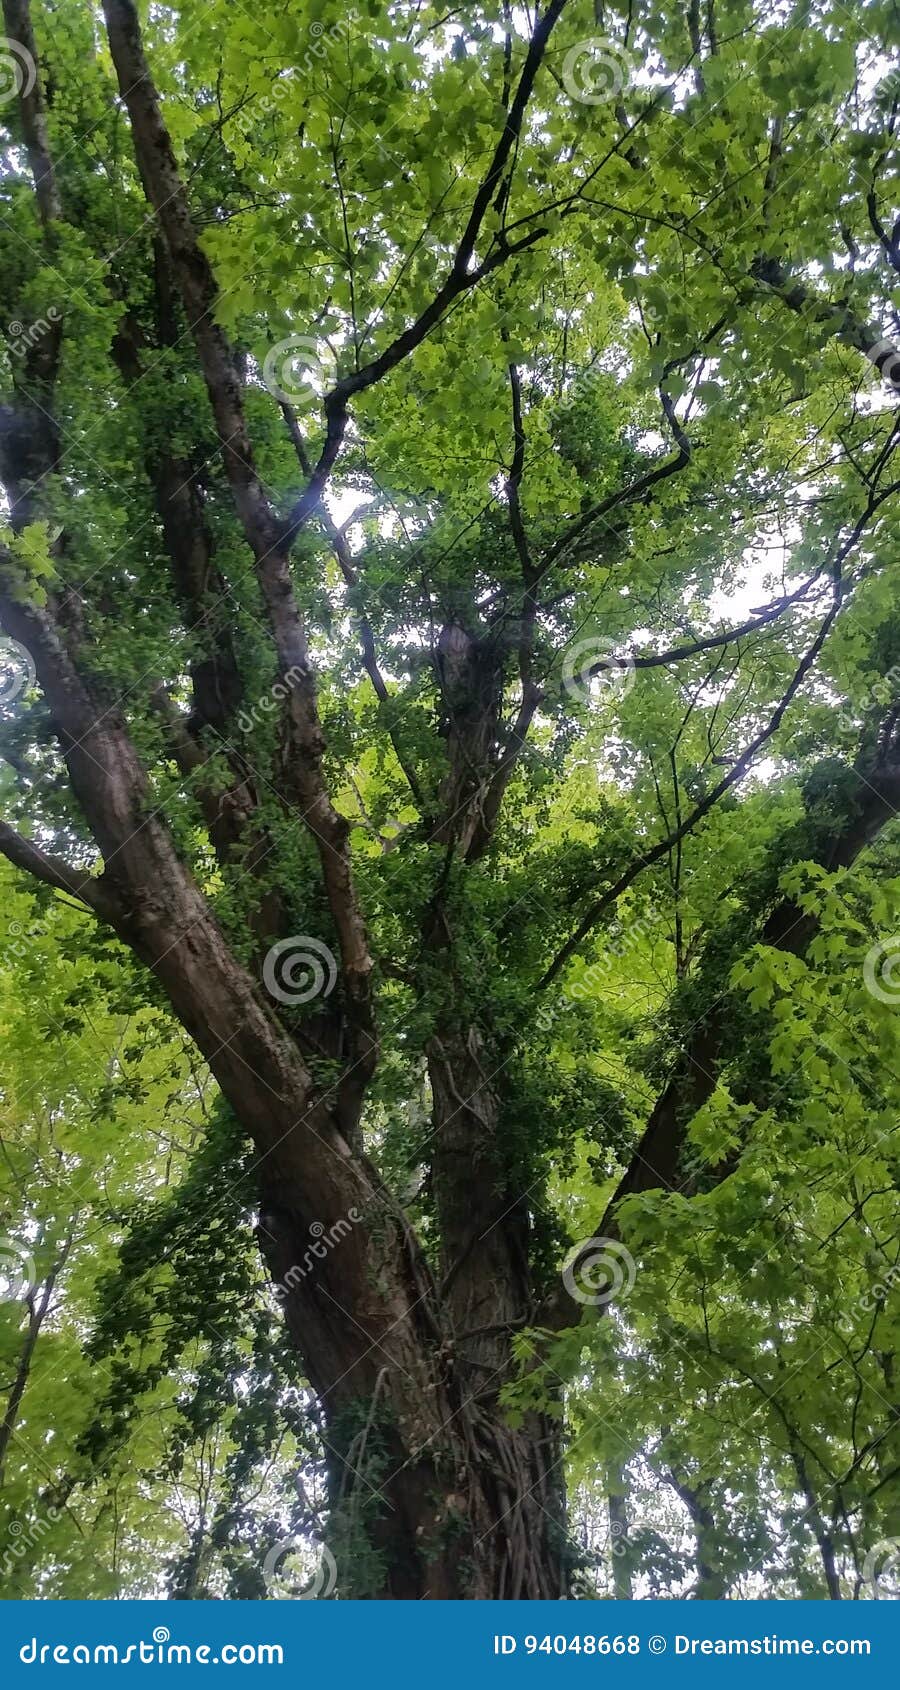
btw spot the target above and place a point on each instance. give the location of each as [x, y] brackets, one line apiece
[459, 279]
[338, 540]
[531, 694]
[17, 18]
[840, 320]
[53, 871]
[262, 528]
[623, 496]
[736, 773]
[677, 654]
[740, 767]
[655, 1163]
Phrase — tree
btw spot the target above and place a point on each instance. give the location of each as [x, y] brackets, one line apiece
[394, 403]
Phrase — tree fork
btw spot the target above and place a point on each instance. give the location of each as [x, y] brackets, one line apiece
[370, 1321]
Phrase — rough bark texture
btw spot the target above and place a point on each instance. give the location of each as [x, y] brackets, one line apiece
[459, 1505]
[408, 1366]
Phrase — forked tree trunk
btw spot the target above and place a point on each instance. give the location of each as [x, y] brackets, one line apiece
[454, 1502]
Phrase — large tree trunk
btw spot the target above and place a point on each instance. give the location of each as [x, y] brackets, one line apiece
[451, 1500]
[486, 1284]
[455, 1503]
[435, 1468]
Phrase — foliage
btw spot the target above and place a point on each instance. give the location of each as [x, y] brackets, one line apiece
[666, 379]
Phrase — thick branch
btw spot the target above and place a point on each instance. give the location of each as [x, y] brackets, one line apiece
[17, 18]
[840, 320]
[262, 529]
[53, 871]
[656, 1162]
[709, 642]
[461, 277]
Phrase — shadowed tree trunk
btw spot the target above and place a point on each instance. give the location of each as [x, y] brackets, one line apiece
[407, 1336]
[462, 1506]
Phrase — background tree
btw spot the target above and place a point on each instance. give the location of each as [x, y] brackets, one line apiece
[451, 493]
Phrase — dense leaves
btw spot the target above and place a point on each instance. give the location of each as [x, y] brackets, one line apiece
[601, 608]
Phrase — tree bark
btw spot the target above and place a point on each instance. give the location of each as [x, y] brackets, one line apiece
[486, 1285]
[38, 1304]
[454, 1502]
